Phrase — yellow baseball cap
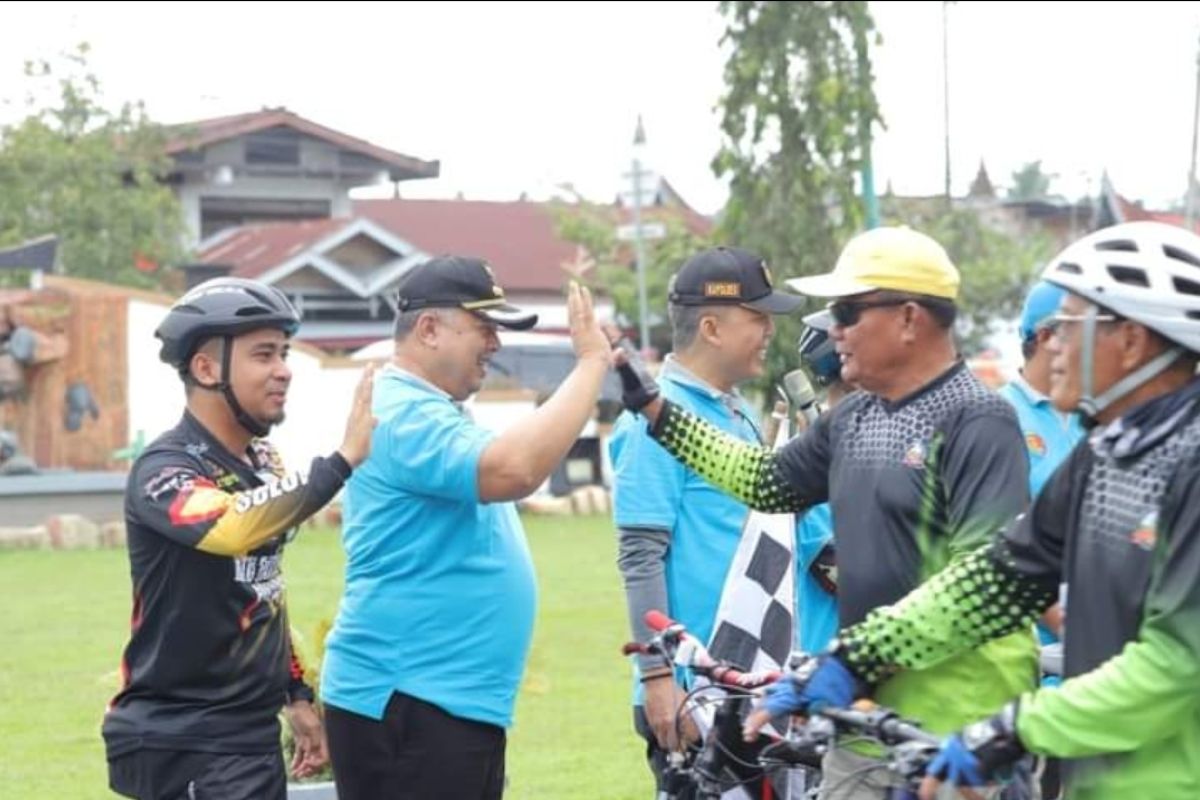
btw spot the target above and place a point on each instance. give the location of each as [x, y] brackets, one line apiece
[898, 259]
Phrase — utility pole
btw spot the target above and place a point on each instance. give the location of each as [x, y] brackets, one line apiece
[1190, 201]
[639, 141]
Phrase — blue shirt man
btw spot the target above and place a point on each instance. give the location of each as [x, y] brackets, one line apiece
[678, 535]
[422, 666]
[426, 562]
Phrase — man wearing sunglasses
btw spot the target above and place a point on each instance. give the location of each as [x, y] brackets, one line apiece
[919, 467]
[1119, 522]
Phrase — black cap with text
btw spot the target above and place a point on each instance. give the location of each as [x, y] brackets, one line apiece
[460, 282]
[729, 276]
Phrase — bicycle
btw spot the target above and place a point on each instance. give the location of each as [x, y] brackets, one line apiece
[778, 765]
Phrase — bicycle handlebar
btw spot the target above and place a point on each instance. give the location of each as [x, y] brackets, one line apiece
[679, 647]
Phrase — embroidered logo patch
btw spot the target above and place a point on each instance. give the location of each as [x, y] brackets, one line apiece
[915, 455]
[1146, 534]
[722, 289]
[1036, 444]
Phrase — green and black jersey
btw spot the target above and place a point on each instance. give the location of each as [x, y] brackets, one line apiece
[1120, 523]
[913, 485]
[209, 661]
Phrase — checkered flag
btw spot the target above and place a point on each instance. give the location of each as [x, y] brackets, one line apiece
[755, 620]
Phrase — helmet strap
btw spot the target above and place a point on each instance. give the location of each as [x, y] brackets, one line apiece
[1092, 406]
[253, 426]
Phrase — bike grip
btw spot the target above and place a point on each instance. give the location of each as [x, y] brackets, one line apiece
[657, 620]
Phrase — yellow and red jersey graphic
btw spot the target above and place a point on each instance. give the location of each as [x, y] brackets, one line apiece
[1036, 444]
[201, 501]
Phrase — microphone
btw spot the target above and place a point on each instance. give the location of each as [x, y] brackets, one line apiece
[800, 390]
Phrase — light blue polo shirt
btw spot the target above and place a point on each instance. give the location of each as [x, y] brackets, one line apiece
[653, 490]
[1050, 435]
[440, 590]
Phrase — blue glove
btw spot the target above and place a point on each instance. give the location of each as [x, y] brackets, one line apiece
[820, 682]
[975, 754]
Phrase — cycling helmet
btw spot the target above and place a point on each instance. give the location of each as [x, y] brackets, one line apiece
[817, 355]
[221, 307]
[224, 307]
[1147, 272]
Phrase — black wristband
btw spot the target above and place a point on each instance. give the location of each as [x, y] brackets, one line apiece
[299, 690]
[340, 465]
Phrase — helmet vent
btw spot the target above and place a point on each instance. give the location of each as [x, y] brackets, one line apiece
[1069, 268]
[1193, 314]
[1121, 245]
[1181, 255]
[251, 311]
[1130, 276]
[1184, 286]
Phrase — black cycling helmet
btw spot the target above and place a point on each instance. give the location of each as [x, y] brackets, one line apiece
[817, 355]
[221, 307]
[227, 308]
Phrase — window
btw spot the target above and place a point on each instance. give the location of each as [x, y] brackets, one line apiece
[280, 146]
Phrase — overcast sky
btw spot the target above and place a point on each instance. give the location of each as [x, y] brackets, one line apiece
[514, 97]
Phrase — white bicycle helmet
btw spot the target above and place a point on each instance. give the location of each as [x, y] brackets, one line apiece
[1147, 272]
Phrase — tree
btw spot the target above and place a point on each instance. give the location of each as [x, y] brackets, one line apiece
[798, 93]
[593, 228]
[996, 269]
[1029, 182]
[93, 177]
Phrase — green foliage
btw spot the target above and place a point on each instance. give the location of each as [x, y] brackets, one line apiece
[1029, 182]
[91, 176]
[997, 269]
[798, 93]
[67, 620]
[593, 227]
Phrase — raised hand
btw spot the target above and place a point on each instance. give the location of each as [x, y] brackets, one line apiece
[361, 423]
[587, 336]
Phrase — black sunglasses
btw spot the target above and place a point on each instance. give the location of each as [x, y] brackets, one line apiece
[846, 313]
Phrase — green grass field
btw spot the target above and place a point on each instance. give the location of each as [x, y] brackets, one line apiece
[65, 620]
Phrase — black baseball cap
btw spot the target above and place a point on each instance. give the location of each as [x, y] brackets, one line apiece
[460, 282]
[729, 276]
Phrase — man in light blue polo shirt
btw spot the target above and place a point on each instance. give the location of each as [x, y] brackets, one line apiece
[429, 645]
[678, 534]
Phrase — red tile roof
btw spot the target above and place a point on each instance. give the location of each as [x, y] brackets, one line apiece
[193, 135]
[519, 239]
[253, 249]
[1134, 212]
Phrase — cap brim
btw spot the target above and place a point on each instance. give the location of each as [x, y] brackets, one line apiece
[821, 320]
[507, 316]
[829, 285]
[776, 303]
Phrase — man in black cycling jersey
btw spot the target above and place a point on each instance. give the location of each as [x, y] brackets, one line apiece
[1119, 522]
[208, 508]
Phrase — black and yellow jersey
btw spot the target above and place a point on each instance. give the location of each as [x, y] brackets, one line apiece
[209, 659]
